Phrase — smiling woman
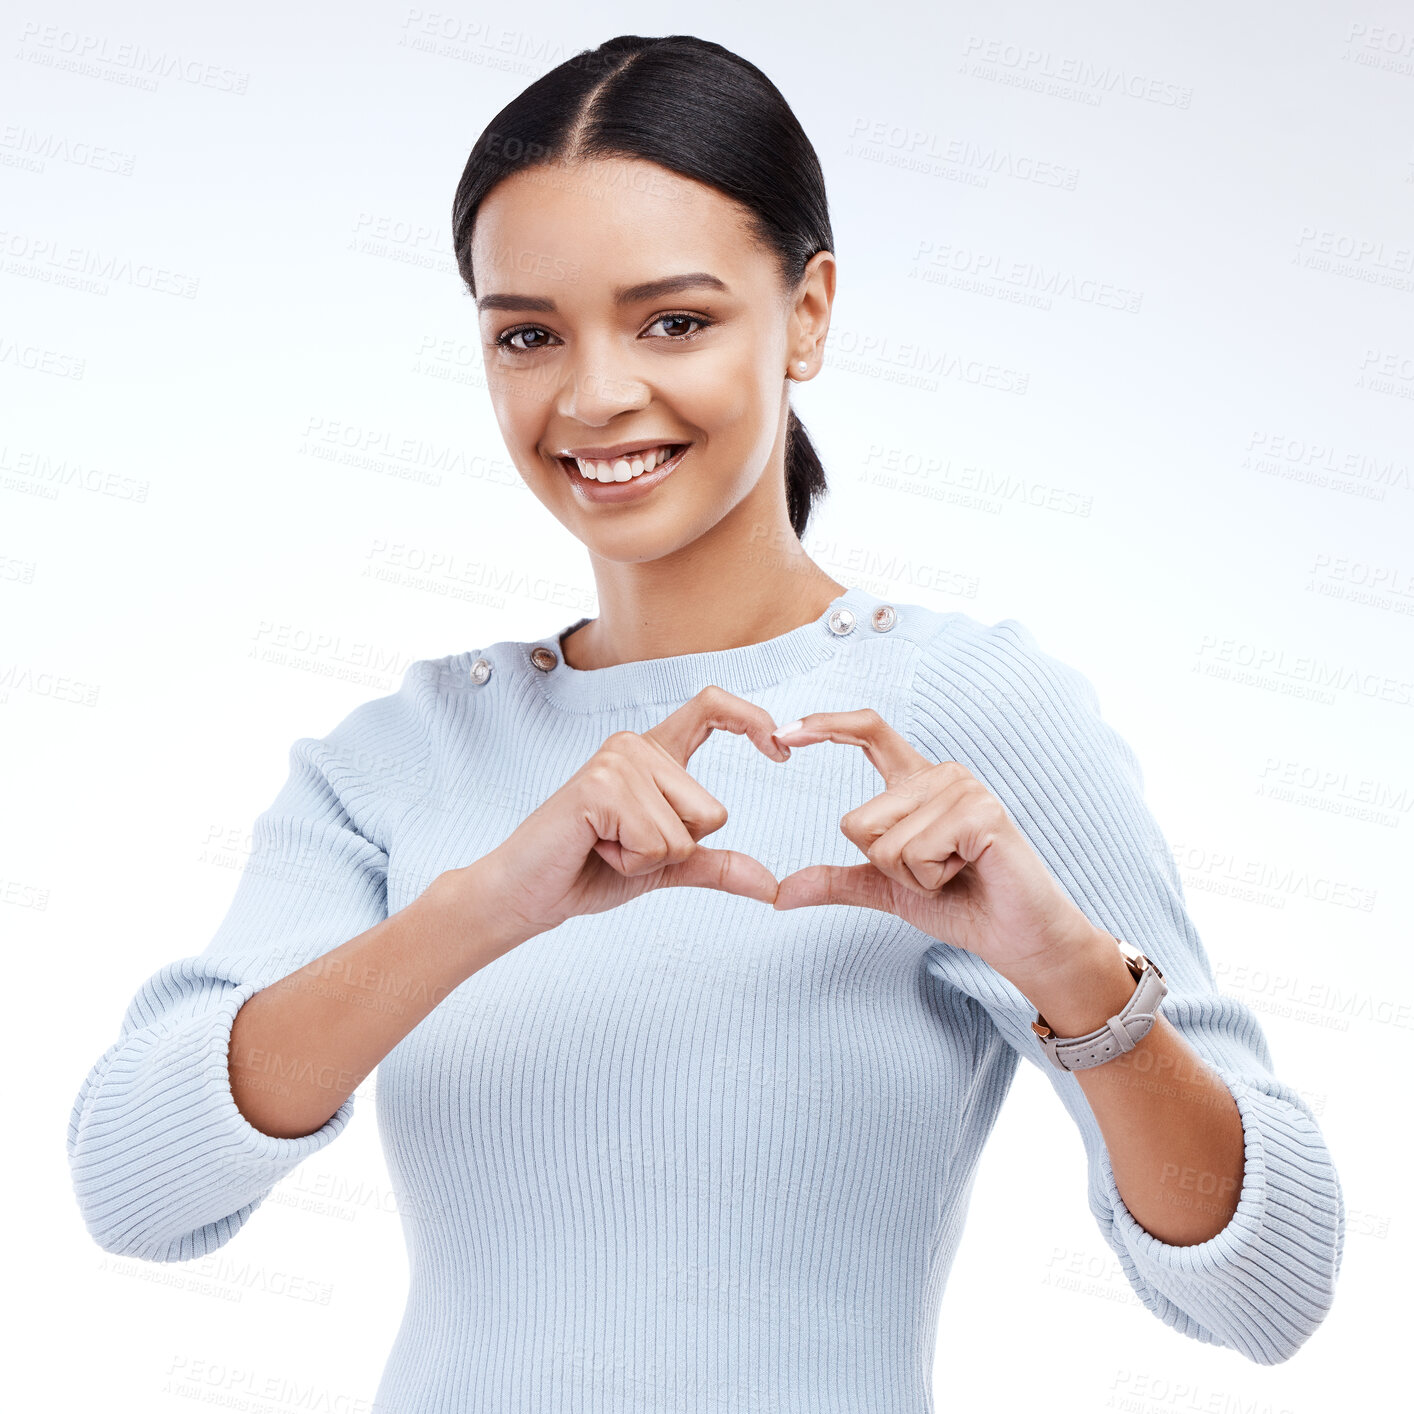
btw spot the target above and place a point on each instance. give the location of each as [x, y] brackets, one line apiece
[645, 279]
[670, 1124]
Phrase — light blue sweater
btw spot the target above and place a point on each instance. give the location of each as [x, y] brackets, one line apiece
[691, 1154]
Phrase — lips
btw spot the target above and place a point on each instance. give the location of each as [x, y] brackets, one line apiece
[627, 466]
[636, 486]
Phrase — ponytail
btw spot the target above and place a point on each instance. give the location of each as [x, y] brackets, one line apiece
[805, 477]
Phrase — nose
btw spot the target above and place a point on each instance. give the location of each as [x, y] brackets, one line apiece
[596, 386]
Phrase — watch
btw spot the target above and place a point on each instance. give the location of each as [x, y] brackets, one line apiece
[1120, 1033]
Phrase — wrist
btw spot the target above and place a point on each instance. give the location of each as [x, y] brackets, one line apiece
[1086, 983]
[470, 915]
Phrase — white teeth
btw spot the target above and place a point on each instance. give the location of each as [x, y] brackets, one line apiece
[623, 468]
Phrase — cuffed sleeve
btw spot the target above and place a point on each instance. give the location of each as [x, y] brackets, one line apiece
[1266, 1281]
[164, 1165]
[1029, 727]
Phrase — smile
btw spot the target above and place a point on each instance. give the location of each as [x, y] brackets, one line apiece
[624, 477]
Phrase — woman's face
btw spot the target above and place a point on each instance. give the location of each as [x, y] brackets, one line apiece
[578, 359]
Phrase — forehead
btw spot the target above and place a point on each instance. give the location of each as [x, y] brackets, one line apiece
[609, 221]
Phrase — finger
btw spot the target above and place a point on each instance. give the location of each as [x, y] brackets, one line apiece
[680, 793]
[889, 751]
[638, 829]
[651, 817]
[865, 823]
[858, 884]
[926, 849]
[656, 781]
[645, 854]
[649, 771]
[727, 870]
[885, 828]
[680, 733]
[692, 803]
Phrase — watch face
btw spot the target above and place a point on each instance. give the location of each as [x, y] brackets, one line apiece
[1134, 959]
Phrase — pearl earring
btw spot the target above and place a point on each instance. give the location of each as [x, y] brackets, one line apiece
[802, 365]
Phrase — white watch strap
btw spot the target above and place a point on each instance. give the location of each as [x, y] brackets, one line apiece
[1121, 1032]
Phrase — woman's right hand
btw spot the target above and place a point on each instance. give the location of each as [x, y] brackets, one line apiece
[629, 820]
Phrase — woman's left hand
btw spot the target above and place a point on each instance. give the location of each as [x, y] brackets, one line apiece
[943, 854]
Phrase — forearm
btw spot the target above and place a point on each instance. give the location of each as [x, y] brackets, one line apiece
[1171, 1127]
[302, 1045]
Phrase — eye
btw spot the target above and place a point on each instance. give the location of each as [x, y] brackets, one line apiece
[503, 341]
[508, 340]
[683, 319]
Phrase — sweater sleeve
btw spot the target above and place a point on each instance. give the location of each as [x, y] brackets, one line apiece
[164, 1165]
[1029, 727]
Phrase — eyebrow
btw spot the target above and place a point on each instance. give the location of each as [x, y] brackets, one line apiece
[624, 294]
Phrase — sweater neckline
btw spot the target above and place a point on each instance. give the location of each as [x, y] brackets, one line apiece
[680, 676]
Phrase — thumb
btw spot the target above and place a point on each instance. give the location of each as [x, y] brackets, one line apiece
[727, 870]
[860, 885]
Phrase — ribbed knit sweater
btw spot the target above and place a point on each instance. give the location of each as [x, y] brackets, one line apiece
[691, 1154]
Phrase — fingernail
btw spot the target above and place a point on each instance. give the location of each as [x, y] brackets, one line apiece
[789, 727]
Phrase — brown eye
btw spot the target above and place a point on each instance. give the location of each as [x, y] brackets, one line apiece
[503, 341]
[679, 319]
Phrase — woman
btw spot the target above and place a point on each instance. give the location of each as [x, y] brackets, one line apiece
[675, 1124]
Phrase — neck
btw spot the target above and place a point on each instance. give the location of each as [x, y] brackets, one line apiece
[654, 611]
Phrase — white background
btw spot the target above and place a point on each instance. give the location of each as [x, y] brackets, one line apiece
[1202, 500]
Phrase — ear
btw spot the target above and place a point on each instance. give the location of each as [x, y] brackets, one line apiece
[810, 307]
